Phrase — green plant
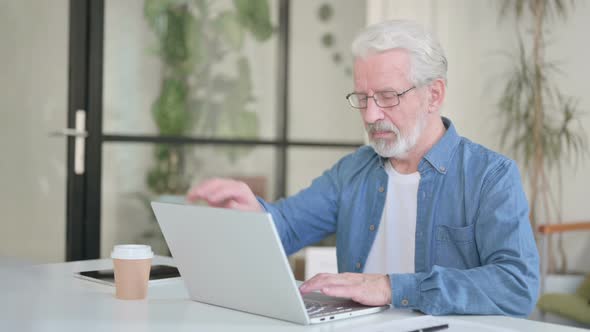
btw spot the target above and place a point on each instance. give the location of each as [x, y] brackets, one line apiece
[541, 125]
[198, 41]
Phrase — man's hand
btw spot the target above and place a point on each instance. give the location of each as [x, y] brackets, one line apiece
[367, 289]
[225, 193]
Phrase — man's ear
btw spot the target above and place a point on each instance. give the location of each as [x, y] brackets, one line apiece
[437, 90]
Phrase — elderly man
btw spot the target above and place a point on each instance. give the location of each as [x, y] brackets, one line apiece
[424, 218]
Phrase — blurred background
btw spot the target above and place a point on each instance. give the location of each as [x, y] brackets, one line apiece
[167, 93]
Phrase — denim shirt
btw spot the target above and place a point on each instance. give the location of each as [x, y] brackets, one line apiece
[475, 250]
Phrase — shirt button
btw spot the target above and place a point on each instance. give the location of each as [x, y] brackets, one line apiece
[404, 302]
[381, 189]
[442, 169]
[372, 228]
[358, 265]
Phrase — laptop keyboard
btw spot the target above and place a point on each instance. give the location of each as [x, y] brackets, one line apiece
[322, 309]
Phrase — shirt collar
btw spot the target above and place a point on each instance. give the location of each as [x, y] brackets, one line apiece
[439, 156]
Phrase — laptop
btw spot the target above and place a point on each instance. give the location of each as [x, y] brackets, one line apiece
[235, 259]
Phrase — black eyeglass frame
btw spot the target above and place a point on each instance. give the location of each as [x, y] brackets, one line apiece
[398, 95]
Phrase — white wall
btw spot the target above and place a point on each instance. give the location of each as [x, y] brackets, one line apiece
[317, 85]
[33, 102]
[471, 36]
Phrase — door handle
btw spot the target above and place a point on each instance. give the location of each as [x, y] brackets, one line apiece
[68, 132]
[79, 133]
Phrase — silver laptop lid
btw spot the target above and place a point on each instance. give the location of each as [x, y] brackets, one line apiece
[232, 259]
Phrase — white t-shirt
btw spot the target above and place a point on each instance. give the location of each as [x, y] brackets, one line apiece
[395, 241]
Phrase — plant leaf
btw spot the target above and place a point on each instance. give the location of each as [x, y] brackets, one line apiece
[227, 24]
[169, 110]
[255, 16]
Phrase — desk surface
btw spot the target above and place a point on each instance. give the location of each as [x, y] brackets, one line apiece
[49, 298]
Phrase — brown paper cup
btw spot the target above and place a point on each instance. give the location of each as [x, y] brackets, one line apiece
[132, 265]
[131, 278]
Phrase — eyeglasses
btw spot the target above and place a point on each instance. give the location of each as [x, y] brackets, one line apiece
[383, 99]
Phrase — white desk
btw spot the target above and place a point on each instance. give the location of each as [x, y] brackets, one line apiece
[49, 298]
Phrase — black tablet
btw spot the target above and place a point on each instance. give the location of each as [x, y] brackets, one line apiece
[157, 273]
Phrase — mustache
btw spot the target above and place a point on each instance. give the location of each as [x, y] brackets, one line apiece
[381, 126]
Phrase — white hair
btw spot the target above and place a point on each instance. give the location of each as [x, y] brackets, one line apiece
[428, 61]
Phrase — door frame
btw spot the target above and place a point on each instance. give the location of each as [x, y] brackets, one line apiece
[85, 93]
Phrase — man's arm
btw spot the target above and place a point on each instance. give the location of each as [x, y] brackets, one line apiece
[507, 282]
[310, 215]
[301, 220]
[225, 193]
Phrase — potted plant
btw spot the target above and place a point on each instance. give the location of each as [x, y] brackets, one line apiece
[540, 124]
[200, 43]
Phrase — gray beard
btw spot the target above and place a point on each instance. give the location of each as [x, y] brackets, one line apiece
[399, 147]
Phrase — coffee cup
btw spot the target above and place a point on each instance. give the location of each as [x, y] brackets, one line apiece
[132, 263]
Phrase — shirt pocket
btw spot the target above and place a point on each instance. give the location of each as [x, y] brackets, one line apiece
[456, 247]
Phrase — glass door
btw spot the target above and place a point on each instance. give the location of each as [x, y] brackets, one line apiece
[179, 91]
[189, 92]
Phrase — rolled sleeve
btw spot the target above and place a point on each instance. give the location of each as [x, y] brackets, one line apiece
[405, 290]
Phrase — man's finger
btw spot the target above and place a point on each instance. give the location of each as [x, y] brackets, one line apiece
[357, 293]
[238, 206]
[214, 185]
[223, 194]
[201, 190]
[209, 188]
[349, 292]
[315, 283]
[322, 280]
[193, 194]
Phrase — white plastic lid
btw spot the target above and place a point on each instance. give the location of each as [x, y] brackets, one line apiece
[132, 251]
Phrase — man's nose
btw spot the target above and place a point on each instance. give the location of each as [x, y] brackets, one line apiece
[373, 112]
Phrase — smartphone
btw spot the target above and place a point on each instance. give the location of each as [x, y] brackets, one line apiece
[157, 273]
